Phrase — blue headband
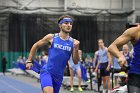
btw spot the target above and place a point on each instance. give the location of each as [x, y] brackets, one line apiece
[66, 20]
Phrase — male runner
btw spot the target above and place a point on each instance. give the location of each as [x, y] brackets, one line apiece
[133, 35]
[61, 46]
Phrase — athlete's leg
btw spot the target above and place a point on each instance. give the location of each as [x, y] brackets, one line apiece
[56, 86]
[79, 76]
[103, 75]
[46, 82]
[133, 84]
[71, 78]
[78, 71]
[3, 70]
[104, 83]
[48, 89]
[109, 83]
[107, 73]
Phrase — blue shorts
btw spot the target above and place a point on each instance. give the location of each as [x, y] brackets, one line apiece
[46, 79]
[75, 67]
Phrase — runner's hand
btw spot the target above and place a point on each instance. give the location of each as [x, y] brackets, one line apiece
[28, 64]
[122, 61]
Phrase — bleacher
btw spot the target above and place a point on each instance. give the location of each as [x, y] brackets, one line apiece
[20, 69]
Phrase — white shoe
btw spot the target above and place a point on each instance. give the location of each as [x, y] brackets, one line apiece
[104, 90]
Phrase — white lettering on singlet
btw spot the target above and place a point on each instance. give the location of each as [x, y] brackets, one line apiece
[67, 48]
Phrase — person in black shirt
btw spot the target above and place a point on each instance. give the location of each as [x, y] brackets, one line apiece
[4, 62]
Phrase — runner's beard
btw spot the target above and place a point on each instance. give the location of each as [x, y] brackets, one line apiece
[67, 32]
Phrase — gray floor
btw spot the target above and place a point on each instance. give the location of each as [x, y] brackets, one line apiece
[10, 85]
[33, 82]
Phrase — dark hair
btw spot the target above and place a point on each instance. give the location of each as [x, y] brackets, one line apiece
[129, 25]
[64, 16]
[3, 58]
[100, 39]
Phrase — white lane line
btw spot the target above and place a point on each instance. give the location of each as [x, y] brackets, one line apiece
[19, 91]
